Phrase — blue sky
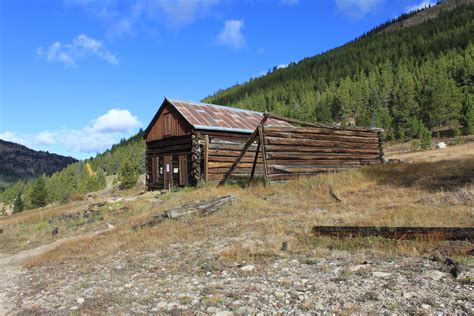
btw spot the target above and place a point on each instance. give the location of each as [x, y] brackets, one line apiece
[78, 75]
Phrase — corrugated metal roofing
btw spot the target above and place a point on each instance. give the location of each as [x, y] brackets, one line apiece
[222, 118]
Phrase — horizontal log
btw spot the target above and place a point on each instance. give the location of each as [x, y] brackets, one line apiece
[298, 149]
[231, 159]
[231, 147]
[276, 169]
[292, 176]
[229, 153]
[319, 156]
[317, 143]
[355, 139]
[219, 176]
[169, 142]
[202, 208]
[446, 233]
[237, 170]
[227, 165]
[347, 132]
[315, 162]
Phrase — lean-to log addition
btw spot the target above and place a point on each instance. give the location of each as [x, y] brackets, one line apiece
[441, 233]
[288, 152]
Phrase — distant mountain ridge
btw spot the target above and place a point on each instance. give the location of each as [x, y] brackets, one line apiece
[18, 162]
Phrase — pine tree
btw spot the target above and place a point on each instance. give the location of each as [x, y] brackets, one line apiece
[127, 174]
[38, 193]
[18, 205]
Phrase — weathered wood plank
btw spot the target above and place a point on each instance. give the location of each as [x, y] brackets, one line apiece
[355, 139]
[298, 149]
[318, 143]
[319, 156]
[335, 162]
[446, 233]
[203, 208]
[308, 130]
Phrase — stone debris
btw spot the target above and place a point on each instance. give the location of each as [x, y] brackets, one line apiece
[192, 280]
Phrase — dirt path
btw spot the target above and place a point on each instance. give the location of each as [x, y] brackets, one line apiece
[11, 266]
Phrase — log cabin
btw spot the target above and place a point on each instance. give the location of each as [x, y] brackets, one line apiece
[188, 142]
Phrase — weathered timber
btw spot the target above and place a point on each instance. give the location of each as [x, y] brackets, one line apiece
[315, 149]
[355, 139]
[322, 131]
[255, 160]
[319, 156]
[318, 143]
[202, 208]
[305, 168]
[244, 150]
[264, 154]
[316, 161]
[206, 157]
[442, 233]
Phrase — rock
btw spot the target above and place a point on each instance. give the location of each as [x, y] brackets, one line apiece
[109, 226]
[441, 145]
[357, 267]
[80, 300]
[128, 285]
[223, 313]
[161, 305]
[242, 311]
[248, 267]
[379, 274]
[212, 310]
[409, 295]
[425, 306]
[434, 275]
[74, 308]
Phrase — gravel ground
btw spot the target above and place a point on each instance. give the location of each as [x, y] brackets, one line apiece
[191, 279]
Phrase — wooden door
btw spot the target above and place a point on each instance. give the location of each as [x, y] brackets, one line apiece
[183, 170]
[168, 171]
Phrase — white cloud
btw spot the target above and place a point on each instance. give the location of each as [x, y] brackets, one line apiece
[290, 2]
[122, 18]
[82, 46]
[12, 137]
[231, 35]
[357, 8]
[281, 66]
[423, 4]
[104, 131]
[45, 138]
[115, 120]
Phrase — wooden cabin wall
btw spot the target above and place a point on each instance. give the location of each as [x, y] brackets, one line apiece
[168, 124]
[176, 147]
[222, 152]
[304, 151]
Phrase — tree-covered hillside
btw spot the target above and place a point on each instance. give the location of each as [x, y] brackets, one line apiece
[19, 162]
[406, 82]
[78, 178]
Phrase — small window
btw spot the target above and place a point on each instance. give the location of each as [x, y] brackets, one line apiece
[161, 170]
[175, 170]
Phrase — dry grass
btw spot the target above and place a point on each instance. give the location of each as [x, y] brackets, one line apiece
[422, 193]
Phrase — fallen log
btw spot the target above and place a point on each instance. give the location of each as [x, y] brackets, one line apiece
[203, 208]
[441, 233]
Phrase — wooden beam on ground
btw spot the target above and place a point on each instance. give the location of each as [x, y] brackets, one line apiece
[399, 233]
[242, 153]
[202, 208]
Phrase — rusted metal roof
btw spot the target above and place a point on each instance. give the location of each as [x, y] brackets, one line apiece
[221, 118]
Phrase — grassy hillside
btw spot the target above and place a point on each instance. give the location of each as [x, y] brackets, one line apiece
[196, 263]
[18, 162]
[406, 81]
